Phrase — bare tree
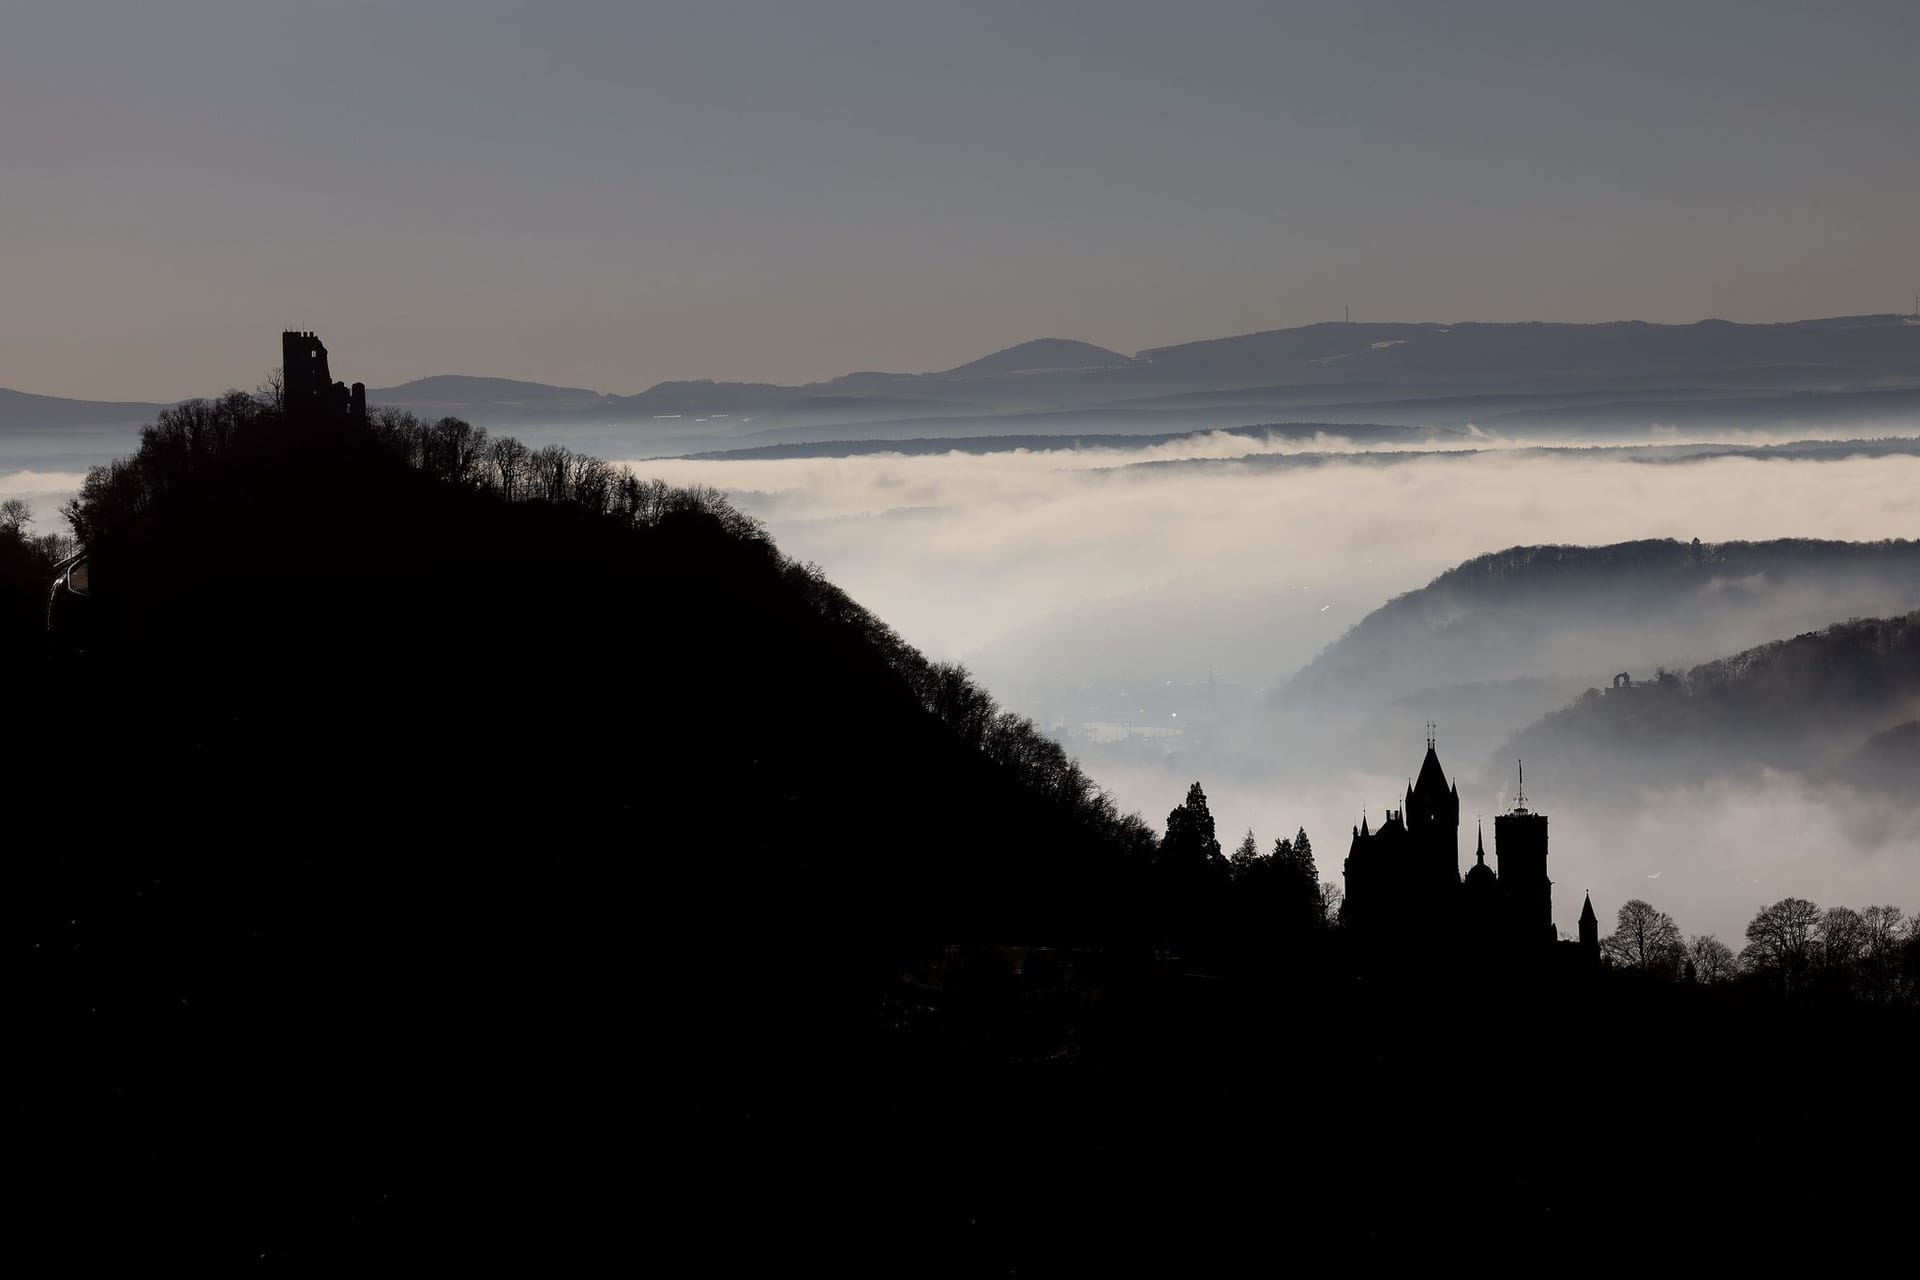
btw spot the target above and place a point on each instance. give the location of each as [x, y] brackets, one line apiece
[1842, 938]
[15, 516]
[272, 391]
[1645, 938]
[1780, 939]
[550, 473]
[1712, 959]
[1331, 896]
[454, 448]
[1884, 933]
[509, 459]
[593, 483]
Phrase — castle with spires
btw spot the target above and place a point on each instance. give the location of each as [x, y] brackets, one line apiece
[1404, 885]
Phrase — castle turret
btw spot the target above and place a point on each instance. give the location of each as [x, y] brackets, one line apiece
[1480, 878]
[1433, 820]
[1589, 932]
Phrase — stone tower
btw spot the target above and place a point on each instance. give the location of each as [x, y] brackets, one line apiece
[1520, 847]
[310, 395]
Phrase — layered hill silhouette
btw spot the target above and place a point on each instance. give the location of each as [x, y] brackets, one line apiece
[1588, 612]
[1820, 703]
[20, 410]
[1613, 377]
[1496, 643]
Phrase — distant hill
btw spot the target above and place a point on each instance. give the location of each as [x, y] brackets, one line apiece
[1805, 704]
[1843, 350]
[1590, 612]
[836, 406]
[20, 411]
[1888, 762]
[456, 388]
[1620, 377]
[1037, 355]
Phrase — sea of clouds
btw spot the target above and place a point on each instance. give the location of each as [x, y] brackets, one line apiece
[1048, 568]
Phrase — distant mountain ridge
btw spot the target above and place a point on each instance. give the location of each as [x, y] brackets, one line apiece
[21, 410]
[1576, 371]
[459, 387]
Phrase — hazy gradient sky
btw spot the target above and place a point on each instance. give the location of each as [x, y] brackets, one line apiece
[607, 194]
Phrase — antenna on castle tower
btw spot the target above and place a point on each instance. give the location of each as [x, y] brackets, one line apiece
[1432, 728]
[1520, 800]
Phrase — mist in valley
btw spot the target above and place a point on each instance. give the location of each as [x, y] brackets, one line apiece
[1152, 616]
[1160, 609]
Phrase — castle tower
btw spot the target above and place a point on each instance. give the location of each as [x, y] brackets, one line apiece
[1433, 820]
[306, 384]
[309, 393]
[1526, 894]
[1589, 932]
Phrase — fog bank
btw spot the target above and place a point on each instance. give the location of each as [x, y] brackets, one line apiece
[1068, 579]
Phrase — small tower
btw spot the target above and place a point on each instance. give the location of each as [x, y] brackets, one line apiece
[1479, 876]
[1589, 932]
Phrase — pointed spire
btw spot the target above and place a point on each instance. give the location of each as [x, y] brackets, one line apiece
[1479, 844]
[1586, 910]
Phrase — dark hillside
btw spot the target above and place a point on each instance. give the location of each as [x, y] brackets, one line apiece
[431, 852]
[392, 853]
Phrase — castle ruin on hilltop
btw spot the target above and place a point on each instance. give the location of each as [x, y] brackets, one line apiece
[309, 393]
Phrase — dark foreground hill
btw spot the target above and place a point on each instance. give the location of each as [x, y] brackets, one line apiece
[385, 855]
[429, 854]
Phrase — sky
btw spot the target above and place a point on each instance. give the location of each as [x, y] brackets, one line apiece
[611, 194]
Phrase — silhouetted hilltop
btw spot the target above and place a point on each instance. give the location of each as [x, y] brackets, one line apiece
[455, 390]
[1807, 704]
[1589, 612]
[1040, 354]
